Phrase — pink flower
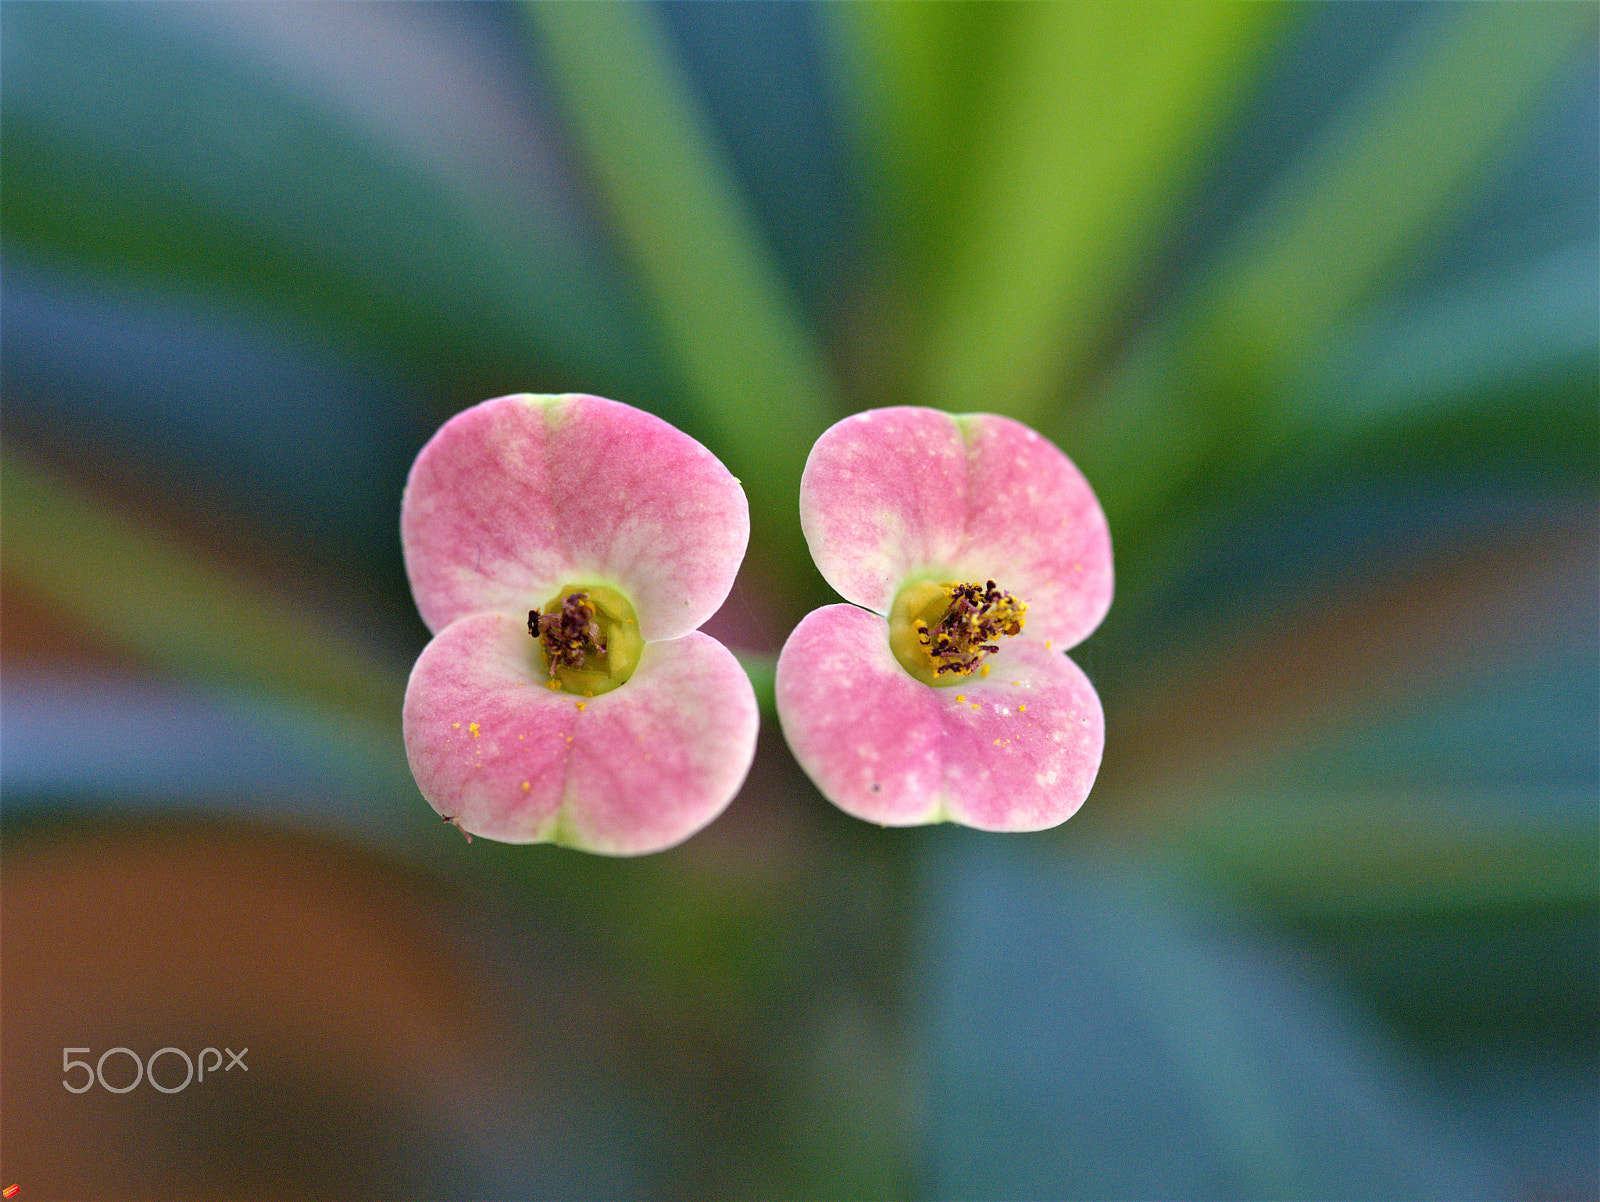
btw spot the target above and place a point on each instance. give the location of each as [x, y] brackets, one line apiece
[563, 550]
[980, 554]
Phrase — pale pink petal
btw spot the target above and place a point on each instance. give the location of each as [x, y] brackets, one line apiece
[1014, 751]
[634, 770]
[893, 495]
[517, 496]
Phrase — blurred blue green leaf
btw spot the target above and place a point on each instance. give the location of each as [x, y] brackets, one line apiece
[1484, 345]
[87, 746]
[1357, 206]
[169, 142]
[1195, 404]
[1105, 1030]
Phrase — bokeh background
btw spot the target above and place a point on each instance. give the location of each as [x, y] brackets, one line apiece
[1309, 293]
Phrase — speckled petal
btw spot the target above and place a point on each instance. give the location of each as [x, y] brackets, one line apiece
[631, 771]
[892, 495]
[517, 496]
[1014, 751]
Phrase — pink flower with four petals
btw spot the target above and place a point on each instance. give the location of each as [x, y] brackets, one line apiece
[974, 553]
[564, 550]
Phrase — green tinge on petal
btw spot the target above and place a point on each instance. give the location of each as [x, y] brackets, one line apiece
[896, 495]
[513, 497]
[632, 771]
[1017, 750]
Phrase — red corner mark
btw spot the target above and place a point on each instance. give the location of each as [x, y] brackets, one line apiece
[9, 1191]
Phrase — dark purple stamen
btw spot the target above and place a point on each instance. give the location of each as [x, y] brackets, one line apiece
[978, 615]
[570, 636]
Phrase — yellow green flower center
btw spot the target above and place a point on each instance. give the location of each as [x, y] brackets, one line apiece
[589, 637]
[941, 633]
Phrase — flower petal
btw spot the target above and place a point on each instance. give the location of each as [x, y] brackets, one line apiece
[1017, 750]
[517, 496]
[893, 495]
[631, 771]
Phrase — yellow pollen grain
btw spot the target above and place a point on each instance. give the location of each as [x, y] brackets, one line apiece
[1047, 643]
[1022, 709]
[520, 737]
[473, 727]
[977, 707]
[569, 738]
[455, 726]
[553, 684]
[526, 786]
[997, 742]
[959, 697]
[582, 706]
[983, 671]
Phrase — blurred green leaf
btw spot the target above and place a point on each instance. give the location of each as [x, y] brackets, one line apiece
[139, 589]
[725, 313]
[1327, 855]
[1496, 375]
[918, 73]
[1097, 115]
[763, 673]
